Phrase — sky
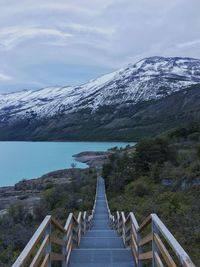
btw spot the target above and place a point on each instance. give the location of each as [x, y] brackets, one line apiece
[64, 42]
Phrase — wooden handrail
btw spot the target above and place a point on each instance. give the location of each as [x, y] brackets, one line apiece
[132, 238]
[176, 247]
[39, 247]
[40, 243]
[72, 232]
[23, 257]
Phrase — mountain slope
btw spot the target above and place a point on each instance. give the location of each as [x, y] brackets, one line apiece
[116, 106]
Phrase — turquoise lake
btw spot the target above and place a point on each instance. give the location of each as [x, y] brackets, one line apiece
[26, 160]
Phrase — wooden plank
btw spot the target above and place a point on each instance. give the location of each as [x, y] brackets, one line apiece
[146, 222]
[36, 260]
[176, 247]
[58, 225]
[45, 261]
[145, 256]
[68, 254]
[158, 260]
[134, 253]
[168, 259]
[146, 239]
[69, 242]
[27, 251]
[134, 243]
[57, 257]
[56, 240]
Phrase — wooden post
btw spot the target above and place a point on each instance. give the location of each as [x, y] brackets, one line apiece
[64, 248]
[140, 263]
[48, 248]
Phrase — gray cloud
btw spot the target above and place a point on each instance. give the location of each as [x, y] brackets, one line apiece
[97, 36]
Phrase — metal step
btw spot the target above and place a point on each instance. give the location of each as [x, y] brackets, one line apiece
[101, 256]
[101, 233]
[101, 242]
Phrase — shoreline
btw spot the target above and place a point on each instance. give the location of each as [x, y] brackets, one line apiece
[71, 141]
[28, 192]
[94, 159]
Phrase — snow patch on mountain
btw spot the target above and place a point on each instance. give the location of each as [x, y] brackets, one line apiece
[148, 79]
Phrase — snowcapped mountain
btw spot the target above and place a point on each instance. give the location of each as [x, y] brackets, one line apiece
[152, 78]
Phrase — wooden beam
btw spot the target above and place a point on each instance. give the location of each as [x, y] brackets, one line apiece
[68, 254]
[145, 256]
[168, 259]
[146, 239]
[134, 242]
[57, 241]
[58, 225]
[69, 242]
[45, 261]
[134, 253]
[57, 257]
[146, 222]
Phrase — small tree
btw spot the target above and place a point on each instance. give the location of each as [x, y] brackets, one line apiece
[73, 165]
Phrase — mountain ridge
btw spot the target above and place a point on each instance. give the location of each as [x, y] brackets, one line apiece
[130, 88]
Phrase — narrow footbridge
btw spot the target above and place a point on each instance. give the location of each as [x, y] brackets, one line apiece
[103, 240]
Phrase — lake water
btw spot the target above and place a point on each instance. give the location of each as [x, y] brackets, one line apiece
[26, 160]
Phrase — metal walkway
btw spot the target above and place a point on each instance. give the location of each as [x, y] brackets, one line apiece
[101, 246]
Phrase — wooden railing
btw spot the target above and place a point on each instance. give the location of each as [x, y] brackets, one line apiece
[150, 242]
[53, 242]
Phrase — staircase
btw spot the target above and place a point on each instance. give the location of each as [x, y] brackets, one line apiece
[101, 246]
[102, 239]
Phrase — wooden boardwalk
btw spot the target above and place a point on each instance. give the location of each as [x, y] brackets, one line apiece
[103, 239]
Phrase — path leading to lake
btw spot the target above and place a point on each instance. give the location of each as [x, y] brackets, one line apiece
[101, 246]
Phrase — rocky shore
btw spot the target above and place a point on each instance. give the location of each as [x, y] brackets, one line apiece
[92, 159]
[28, 192]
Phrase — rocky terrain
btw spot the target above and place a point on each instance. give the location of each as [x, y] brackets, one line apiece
[28, 192]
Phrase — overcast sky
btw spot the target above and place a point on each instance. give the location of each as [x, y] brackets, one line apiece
[62, 42]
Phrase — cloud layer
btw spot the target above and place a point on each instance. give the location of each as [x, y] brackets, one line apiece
[50, 42]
